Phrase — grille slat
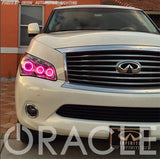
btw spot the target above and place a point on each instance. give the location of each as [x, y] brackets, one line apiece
[107, 113]
[115, 56]
[88, 66]
[99, 68]
[114, 77]
[106, 66]
[107, 60]
[113, 83]
[107, 55]
[108, 72]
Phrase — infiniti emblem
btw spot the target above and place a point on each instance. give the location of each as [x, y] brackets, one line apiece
[125, 135]
[128, 67]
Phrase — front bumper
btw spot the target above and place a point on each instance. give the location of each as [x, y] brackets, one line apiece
[48, 96]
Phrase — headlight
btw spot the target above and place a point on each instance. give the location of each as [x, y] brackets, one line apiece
[36, 67]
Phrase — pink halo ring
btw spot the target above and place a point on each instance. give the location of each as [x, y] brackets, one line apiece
[30, 65]
[40, 70]
[49, 72]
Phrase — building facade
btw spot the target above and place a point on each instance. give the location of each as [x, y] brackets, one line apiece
[15, 16]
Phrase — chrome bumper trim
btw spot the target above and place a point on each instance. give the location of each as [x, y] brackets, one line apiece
[111, 89]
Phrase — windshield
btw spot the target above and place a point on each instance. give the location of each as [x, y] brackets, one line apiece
[100, 19]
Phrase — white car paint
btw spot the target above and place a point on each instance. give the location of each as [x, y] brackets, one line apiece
[48, 95]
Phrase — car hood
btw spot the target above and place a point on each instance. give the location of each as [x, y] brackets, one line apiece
[92, 38]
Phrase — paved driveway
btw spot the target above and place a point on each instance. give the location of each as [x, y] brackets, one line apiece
[8, 119]
[72, 152]
[8, 112]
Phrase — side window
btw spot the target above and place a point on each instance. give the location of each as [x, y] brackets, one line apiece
[29, 14]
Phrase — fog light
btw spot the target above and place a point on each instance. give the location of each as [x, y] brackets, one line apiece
[31, 110]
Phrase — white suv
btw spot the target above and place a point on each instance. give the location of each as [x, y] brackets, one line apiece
[93, 65]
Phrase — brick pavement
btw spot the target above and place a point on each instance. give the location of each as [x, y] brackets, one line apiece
[8, 113]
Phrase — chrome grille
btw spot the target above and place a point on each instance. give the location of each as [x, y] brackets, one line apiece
[98, 68]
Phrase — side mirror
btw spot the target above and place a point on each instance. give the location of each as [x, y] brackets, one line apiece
[33, 29]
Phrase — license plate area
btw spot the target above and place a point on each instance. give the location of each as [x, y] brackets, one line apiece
[129, 137]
